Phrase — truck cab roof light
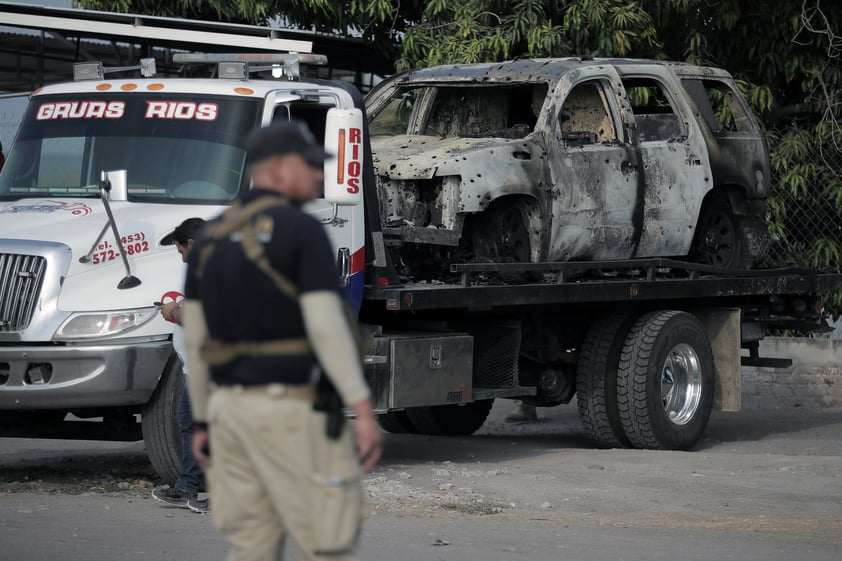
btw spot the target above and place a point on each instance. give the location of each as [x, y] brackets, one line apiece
[288, 63]
[88, 71]
[95, 70]
[232, 70]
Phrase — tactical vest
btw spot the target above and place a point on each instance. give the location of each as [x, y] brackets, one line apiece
[238, 218]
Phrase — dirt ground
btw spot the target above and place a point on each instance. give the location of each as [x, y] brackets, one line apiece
[768, 472]
[757, 473]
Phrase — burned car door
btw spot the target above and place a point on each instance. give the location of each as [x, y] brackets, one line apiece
[596, 184]
[674, 158]
[736, 146]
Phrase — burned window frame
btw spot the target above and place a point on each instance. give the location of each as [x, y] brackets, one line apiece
[609, 104]
[741, 118]
[407, 98]
[631, 81]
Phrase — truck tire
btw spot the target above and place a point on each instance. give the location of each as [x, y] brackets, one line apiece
[160, 427]
[596, 381]
[665, 381]
[450, 420]
[729, 240]
[396, 422]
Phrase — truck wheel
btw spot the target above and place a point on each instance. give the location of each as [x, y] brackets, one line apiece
[665, 381]
[450, 420]
[728, 240]
[596, 381]
[396, 422]
[160, 427]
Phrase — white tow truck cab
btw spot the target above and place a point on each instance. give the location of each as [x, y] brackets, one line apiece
[99, 175]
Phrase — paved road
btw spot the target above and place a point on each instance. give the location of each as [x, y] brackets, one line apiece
[96, 528]
[761, 485]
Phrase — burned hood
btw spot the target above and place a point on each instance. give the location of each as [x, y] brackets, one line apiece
[480, 169]
[423, 157]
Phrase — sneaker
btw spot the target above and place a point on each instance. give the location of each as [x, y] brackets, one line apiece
[172, 497]
[200, 506]
[522, 413]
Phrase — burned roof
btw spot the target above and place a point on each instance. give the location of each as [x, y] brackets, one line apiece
[535, 70]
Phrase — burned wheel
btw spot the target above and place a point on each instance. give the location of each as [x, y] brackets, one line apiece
[501, 235]
[665, 381]
[728, 240]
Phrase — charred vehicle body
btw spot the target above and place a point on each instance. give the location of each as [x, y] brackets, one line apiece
[568, 159]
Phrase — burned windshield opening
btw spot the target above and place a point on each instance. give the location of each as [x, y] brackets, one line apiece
[462, 110]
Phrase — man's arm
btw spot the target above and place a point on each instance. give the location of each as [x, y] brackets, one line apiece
[195, 331]
[334, 346]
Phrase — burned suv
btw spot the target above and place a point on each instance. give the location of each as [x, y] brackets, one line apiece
[568, 159]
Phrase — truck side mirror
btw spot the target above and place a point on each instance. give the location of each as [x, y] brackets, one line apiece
[344, 171]
[118, 189]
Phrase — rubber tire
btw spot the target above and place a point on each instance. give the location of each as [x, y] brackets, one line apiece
[742, 241]
[396, 422]
[159, 424]
[596, 381]
[450, 420]
[639, 401]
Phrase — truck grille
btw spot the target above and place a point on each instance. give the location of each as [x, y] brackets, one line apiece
[21, 277]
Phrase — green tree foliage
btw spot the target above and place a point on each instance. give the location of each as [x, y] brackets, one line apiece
[489, 30]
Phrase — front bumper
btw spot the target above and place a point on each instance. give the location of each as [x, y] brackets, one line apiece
[73, 377]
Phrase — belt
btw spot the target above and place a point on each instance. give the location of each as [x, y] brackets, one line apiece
[216, 353]
[305, 392]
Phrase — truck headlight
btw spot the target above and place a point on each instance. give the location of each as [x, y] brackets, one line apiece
[90, 325]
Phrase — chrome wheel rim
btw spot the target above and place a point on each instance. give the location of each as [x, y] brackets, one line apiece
[681, 384]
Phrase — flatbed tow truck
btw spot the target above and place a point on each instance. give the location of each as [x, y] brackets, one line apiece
[103, 170]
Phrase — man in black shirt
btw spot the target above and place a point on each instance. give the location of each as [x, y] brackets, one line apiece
[264, 316]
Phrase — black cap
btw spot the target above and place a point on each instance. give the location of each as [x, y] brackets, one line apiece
[285, 137]
[187, 230]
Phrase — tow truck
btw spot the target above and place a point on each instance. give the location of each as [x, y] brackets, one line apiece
[100, 173]
[103, 170]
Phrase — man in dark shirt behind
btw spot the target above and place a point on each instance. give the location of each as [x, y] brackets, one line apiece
[274, 472]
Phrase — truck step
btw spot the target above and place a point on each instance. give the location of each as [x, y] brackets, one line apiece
[762, 362]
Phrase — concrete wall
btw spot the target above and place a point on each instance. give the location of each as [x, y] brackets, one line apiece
[814, 381]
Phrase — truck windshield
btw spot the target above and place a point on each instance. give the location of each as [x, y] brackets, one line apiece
[174, 147]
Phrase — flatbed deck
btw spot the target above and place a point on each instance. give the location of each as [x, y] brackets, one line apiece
[605, 283]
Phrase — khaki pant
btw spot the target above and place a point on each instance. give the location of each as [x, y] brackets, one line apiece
[274, 472]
